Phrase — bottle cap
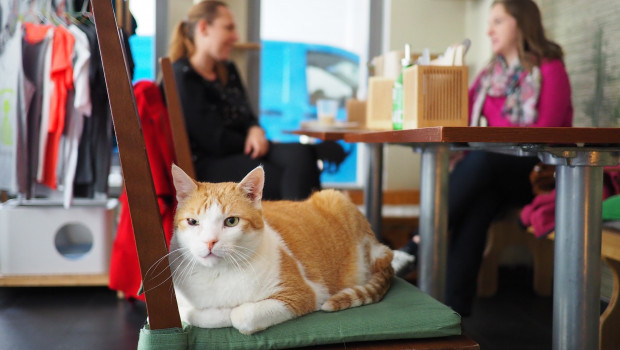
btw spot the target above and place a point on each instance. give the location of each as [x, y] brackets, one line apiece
[406, 61]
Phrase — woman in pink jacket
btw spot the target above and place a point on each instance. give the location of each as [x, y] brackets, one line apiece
[524, 84]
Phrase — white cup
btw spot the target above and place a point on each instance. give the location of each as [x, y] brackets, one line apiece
[326, 111]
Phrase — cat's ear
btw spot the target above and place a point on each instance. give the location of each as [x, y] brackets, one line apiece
[183, 184]
[252, 184]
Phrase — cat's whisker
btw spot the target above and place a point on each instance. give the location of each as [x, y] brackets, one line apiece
[159, 261]
[229, 257]
[194, 264]
[176, 264]
[183, 266]
[159, 284]
[173, 266]
[179, 268]
[233, 262]
[233, 254]
[244, 257]
[189, 270]
[246, 252]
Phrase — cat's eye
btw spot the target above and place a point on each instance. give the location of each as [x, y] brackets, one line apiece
[192, 222]
[231, 221]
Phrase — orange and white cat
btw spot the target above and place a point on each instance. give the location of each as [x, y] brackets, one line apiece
[243, 262]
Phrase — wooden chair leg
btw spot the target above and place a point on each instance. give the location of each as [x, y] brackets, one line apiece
[610, 319]
[505, 232]
[502, 234]
[487, 276]
[542, 252]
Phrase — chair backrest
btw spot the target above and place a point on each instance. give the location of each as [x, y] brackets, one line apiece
[150, 242]
[182, 151]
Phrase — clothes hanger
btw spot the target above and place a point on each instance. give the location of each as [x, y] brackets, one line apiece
[30, 14]
[52, 10]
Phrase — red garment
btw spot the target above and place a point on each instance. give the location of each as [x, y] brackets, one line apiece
[540, 213]
[62, 77]
[35, 33]
[124, 266]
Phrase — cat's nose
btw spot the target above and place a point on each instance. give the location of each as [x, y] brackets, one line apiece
[210, 244]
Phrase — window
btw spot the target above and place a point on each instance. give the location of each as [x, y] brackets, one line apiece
[331, 76]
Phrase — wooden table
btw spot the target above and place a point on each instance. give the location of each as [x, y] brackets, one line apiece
[579, 155]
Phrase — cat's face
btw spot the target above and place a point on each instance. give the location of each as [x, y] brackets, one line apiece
[218, 224]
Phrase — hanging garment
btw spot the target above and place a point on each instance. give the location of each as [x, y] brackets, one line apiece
[12, 110]
[34, 51]
[36, 33]
[95, 149]
[62, 78]
[80, 106]
[124, 268]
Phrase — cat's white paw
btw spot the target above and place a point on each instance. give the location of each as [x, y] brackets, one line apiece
[207, 318]
[402, 262]
[250, 318]
[243, 317]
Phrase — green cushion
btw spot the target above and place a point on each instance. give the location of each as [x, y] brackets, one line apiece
[405, 312]
[611, 208]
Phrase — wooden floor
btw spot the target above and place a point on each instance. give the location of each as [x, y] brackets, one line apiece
[93, 318]
[57, 318]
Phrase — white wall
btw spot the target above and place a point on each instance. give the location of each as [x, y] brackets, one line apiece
[476, 24]
[432, 24]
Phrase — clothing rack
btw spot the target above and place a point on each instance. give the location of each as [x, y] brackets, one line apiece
[62, 14]
[26, 216]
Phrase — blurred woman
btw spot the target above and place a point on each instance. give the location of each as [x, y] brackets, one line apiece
[225, 136]
[524, 84]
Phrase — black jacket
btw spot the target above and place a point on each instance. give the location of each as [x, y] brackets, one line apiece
[217, 116]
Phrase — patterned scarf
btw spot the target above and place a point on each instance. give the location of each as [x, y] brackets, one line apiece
[520, 88]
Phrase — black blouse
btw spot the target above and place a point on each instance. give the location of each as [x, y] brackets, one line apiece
[217, 116]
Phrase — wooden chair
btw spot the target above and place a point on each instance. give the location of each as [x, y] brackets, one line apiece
[610, 319]
[503, 233]
[164, 329]
[180, 139]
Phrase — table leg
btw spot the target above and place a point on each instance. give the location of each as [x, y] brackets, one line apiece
[373, 190]
[577, 265]
[432, 252]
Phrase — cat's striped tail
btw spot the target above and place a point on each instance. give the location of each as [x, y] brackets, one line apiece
[371, 292]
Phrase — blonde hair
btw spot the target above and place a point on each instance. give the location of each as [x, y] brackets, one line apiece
[182, 44]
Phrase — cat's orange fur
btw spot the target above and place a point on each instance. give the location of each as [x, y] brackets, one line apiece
[321, 252]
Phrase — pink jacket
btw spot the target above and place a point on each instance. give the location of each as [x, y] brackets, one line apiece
[555, 107]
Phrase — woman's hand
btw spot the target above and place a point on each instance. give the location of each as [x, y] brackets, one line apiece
[256, 144]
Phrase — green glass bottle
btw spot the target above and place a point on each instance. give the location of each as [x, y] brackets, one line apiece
[397, 92]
